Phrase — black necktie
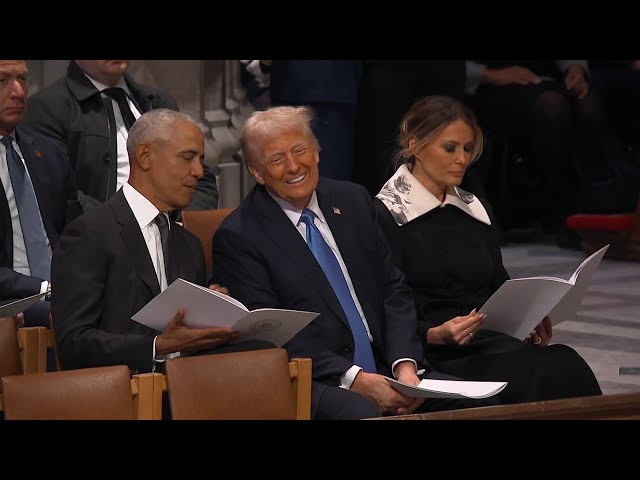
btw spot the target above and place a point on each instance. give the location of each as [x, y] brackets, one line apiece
[163, 225]
[120, 96]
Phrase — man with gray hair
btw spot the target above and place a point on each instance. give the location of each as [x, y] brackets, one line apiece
[117, 257]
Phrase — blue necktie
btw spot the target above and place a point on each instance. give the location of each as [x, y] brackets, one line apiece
[35, 239]
[363, 356]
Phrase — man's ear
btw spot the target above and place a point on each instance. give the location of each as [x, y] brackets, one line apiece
[143, 156]
[256, 174]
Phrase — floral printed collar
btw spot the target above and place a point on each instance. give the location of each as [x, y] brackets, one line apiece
[407, 199]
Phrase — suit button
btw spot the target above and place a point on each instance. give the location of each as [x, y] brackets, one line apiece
[107, 157]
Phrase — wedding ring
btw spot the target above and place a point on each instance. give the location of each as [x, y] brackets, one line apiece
[537, 342]
[471, 334]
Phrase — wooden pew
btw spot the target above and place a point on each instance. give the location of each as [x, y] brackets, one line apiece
[622, 406]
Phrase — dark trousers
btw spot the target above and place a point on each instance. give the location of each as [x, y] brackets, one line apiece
[335, 403]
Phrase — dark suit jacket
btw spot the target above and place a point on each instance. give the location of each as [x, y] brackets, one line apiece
[52, 181]
[103, 274]
[71, 111]
[264, 262]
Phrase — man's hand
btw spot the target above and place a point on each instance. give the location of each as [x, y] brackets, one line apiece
[177, 337]
[19, 320]
[387, 400]
[219, 288]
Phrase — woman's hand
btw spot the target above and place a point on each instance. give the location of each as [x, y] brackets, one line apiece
[458, 330]
[541, 335]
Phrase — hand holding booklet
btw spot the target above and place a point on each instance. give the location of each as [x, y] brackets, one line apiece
[520, 304]
[206, 308]
[448, 388]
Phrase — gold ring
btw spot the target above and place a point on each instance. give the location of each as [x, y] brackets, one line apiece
[538, 341]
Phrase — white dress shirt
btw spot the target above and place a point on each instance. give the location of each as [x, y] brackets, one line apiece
[145, 213]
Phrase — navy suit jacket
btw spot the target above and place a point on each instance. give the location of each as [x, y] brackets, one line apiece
[262, 259]
[103, 274]
[57, 196]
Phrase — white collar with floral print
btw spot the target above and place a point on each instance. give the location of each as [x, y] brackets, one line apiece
[407, 199]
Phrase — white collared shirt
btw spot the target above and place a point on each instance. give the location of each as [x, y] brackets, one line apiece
[407, 199]
[122, 133]
[20, 260]
[145, 213]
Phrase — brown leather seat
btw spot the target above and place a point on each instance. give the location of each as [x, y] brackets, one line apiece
[10, 362]
[203, 224]
[251, 385]
[103, 393]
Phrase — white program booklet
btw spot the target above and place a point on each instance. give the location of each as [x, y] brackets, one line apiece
[448, 388]
[207, 308]
[14, 308]
[520, 304]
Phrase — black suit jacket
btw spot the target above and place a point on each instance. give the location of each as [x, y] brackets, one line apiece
[264, 262]
[103, 274]
[52, 181]
[71, 111]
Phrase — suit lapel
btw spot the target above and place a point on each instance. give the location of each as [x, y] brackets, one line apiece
[40, 178]
[277, 226]
[134, 241]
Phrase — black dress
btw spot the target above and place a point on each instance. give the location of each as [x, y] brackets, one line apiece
[453, 263]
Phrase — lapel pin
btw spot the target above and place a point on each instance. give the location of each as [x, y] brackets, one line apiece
[38, 154]
[336, 211]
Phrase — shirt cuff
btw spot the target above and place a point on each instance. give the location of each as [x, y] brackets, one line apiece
[44, 286]
[349, 377]
[393, 365]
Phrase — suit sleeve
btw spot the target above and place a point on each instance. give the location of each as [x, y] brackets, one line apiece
[14, 285]
[80, 270]
[241, 268]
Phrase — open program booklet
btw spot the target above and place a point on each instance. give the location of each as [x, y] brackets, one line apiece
[520, 304]
[207, 308]
[15, 307]
[448, 388]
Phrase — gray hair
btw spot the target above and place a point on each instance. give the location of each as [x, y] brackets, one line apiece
[155, 126]
[264, 125]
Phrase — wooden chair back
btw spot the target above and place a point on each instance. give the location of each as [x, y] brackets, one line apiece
[203, 224]
[251, 385]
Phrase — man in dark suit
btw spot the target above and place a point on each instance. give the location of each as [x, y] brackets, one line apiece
[90, 111]
[115, 258]
[39, 198]
[268, 253]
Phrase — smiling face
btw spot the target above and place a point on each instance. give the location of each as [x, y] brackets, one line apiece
[442, 162]
[13, 94]
[288, 165]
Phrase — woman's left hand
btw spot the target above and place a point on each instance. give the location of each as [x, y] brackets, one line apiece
[541, 335]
